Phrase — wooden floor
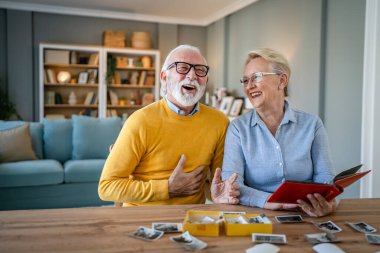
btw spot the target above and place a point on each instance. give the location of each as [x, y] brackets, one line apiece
[106, 229]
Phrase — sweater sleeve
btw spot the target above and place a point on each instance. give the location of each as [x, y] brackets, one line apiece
[117, 182]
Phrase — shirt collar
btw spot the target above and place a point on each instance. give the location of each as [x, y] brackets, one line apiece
[177, 110]
[288, 116]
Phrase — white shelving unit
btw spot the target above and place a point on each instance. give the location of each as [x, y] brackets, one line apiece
[76, 59]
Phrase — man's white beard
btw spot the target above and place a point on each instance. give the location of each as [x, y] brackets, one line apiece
[175, 89]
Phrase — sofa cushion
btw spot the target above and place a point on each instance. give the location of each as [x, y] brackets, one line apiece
[35, 129]
[92, 136]
[58, 139]
[16, 145]
[31, 173]
[83, 171]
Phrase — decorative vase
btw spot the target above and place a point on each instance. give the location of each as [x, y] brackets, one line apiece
[72, 98]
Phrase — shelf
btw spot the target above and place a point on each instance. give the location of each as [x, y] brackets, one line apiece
[81, 66]
[65, 106]
[124, 106]
[130, 86]
[135, 68]
[54, 93]
[65, 85]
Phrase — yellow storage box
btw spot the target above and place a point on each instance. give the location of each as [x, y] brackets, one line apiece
[202, 223]
[245, 225]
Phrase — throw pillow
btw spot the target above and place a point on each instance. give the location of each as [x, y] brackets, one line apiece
[58, 139]
[35, 130]
[16, 145]
[93, 136]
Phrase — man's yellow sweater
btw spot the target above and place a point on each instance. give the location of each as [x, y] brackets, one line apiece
[149, 147]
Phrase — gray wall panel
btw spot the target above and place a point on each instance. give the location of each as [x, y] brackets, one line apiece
[343, 83]
[20, 62]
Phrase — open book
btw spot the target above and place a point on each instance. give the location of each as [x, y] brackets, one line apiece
[290, 191]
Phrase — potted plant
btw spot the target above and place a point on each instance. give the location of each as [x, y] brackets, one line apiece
[7, 108]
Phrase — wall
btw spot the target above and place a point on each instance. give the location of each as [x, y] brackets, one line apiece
[3, 49]
[343, 79]
[24, 31]
[323, 41]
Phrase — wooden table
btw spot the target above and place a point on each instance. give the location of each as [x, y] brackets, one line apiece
[106, 229]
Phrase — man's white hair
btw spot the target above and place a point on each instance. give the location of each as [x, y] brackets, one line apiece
[167, 62]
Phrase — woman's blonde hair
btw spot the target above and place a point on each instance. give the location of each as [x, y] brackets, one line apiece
[277, 62]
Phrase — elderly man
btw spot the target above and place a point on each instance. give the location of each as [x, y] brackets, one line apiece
[165, 150]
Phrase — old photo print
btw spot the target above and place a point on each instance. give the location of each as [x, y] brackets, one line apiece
[146, 234]
[328, 227]
[167, 227]
[289, 218]
[321, 238]
[188, 242]
[373, 238]
[269, 238]
[362, 227]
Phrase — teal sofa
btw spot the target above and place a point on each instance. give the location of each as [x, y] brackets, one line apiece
[71, 154]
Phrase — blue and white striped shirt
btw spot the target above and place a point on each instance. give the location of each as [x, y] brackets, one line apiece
[299, 151]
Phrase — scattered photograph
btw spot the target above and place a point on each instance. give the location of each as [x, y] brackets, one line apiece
[147, 234]
[289, 218]
[269, 238]
[362, 227]
[373, 238]
[328, 227]
[237, 220]
[167, 227]
[321, 238]
[256, 219]
[202, 219]
[188, 242]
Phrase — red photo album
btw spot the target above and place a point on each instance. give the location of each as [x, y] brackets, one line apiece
[291, 191]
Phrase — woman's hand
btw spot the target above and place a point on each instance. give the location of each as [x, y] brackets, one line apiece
[279, 206]
[319, 206]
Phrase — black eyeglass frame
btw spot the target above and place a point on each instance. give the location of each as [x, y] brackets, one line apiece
[191, 66]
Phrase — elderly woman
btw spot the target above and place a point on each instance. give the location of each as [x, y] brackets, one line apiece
[275, 142]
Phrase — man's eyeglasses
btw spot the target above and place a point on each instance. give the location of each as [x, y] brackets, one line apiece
[255, 77]
[184, 68]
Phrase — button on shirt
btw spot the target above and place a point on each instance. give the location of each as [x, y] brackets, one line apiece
[177, 110]
[299, 151]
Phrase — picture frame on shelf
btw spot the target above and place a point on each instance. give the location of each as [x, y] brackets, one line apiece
[92, 76]
[82, 78]
[237, 107]
[226, 104]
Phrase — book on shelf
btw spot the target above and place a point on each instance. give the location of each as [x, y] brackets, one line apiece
[58, 98]
[149, 80]
[114, 99]
[94, 59]
[291, 191]
[88, 99]
[142, 78]
[94, 99]
[134, 77]
[49, 98]
[51, 77]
